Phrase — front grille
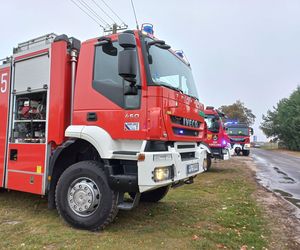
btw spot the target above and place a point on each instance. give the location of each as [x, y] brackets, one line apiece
[185, 132]
[185, 121]
[187, 156]
[186, 146]
[237, 140]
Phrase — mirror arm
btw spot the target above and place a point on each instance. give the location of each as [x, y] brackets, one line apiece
[103, 40]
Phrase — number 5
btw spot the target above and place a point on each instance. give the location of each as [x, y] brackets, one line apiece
[3, 82]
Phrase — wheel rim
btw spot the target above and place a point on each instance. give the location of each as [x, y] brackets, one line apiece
[83, 196]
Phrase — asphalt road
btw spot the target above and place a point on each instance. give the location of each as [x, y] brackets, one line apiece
[279, 172]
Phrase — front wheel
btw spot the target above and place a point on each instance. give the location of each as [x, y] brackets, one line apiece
[246, 152]
[207, 162]
[154, 195]
[84, 198]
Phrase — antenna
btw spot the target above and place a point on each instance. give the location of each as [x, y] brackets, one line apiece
[136, 21]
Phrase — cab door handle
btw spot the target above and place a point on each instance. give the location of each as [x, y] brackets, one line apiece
[91, 117]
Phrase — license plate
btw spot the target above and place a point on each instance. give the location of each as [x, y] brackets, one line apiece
[192, 168]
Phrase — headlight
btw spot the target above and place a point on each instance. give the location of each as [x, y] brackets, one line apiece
[247, 145]
[162, 157]
[162, 173]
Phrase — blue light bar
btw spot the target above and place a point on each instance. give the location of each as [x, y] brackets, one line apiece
[147, 28]
[179, 53]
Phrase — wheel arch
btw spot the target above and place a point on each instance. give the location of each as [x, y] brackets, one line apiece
[69, 153]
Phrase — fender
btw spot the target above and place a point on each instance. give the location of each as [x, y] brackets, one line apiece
[205, 146]
[94, 135]
[102, 141]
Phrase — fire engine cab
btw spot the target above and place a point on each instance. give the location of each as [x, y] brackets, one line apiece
[239, 134]
[85, 123]
[216, 138]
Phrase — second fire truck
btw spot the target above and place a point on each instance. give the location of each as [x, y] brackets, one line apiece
[216, 138]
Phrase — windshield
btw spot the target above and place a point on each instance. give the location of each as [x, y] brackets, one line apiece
[237, 131]
[167, 69]
[212, 122]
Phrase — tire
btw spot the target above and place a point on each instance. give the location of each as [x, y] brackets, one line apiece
[95, 204]
[237, 151]
[246, 152]
[207, 162]
[154, 195]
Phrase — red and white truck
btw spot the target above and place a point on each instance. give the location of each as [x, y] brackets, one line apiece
[216, 138]
[86, 123]
[239, 135]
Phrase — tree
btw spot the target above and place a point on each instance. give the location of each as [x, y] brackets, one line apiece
[283, 122]
[237, 111]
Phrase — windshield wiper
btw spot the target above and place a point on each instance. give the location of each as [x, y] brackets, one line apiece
[178, 89]
[194, 97]
[171, 87]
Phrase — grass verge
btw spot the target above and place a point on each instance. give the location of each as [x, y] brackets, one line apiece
[218, 211]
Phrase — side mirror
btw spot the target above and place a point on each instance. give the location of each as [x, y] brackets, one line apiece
[251, 131]
[130, 89]
[127, 60]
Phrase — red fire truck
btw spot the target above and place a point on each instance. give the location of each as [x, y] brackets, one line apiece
[86, 123]
[216, 138]
[239, 134]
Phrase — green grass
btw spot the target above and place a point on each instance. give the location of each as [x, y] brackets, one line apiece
[217, 211]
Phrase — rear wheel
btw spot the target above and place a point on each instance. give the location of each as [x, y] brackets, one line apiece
[246, 152]
[84, 198]
[154, 195]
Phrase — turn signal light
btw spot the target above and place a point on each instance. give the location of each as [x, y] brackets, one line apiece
[141, 157]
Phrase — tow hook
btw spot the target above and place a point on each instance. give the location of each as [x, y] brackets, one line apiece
[189, 181]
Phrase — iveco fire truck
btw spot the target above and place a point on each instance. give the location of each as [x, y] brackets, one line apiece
[216, 138]
[86, 123]
[239, 134]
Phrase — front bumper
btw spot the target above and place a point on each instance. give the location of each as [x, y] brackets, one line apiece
[222, 153]
[179, 164]
[241, 146]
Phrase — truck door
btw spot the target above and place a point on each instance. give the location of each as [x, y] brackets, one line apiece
[27, 147]
[4, 109]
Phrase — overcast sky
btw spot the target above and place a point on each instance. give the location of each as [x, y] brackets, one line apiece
[247, 50]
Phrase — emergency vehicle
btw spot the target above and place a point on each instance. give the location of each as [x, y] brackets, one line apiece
[216, 138]
[239, 135]
[86, 123]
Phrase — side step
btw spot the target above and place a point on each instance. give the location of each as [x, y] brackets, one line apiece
[126, 205]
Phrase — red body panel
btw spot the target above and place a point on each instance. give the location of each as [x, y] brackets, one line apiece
[247, 138]
[29, 158]
[174, 103]
[31, 54]
[30, 183]
[26, 171]
[111, 117]
[4, 109]
[60, 89]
